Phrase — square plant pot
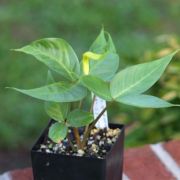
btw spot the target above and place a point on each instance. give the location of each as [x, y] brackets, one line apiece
[52, 166]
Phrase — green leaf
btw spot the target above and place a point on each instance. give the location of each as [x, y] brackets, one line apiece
[79, 118]
[97, 86]
[57, 111]
[50, 78]
[139, 78]
[57, 92]
[106, 67]
[55, 53]
[100, 44]
[110, 44]
[57, 132]
[103, 43]
[146, 101]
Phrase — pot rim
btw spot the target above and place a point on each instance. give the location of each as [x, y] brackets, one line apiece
[44, 132]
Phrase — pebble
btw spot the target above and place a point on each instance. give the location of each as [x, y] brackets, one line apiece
[69, 131]
[98, 137]
[55, 148]
[90, 142]
[99, 143]
[50, 146]
[116, 131]
[109, 141]
[95, 148]
[80, 152]
[91, 138]
[94, 131]
[114, 140]
[43, 146]
[61, 150]
[81, 137]
[48, 151]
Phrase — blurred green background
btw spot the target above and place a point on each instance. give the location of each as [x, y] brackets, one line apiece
[142, 31]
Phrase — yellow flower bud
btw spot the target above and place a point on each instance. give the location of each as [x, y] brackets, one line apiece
[86, 57]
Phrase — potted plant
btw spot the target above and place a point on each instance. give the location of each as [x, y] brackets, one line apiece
[72, 147]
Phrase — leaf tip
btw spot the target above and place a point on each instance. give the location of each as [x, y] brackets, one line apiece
[175, 52]
[8, 87]
[102, 27]
[177, 105]
[17, 50]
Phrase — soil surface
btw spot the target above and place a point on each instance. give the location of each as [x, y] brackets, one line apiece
[98, 144]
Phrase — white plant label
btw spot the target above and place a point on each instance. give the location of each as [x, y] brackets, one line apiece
[99, 105]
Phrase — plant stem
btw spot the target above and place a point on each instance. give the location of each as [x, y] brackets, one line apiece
[98, 117]
[76, 131]
[77, 137]
[87, 131]
[85, 136]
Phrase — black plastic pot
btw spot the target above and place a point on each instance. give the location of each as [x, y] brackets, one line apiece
[51, 166]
